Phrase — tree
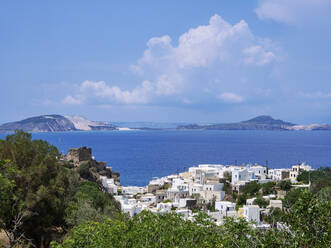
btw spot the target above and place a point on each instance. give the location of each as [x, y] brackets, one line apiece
[251, 188]
[263, 203]
[241, 200]
[325, 194]
[275, 215]
[309, 221]
[291, 197]
[284, 185]
[39, 187]
[268, 188]
[319, 178]
[12, 209]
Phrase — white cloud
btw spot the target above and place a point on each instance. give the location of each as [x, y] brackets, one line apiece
[208, 48]
[295, 12]
[256, 55]
[230, 97]
[219, 41]
[72, 100]
[214, 53]
[114, 94]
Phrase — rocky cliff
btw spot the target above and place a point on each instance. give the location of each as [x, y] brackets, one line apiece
[55, 123]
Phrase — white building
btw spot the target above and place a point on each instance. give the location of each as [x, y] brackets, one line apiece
[148, 198]
[109, 185]
[252, 213]
[250, 201]
[241, 175]
[294, 173]
[260, 172]
[275, 204]
[225, 206]
[279, 174]
[178, 190]
[133, 190]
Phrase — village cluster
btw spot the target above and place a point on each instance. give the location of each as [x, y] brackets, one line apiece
[204, 184]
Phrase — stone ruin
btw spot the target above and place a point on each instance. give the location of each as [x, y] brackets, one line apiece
[83, 155]
[78, 155]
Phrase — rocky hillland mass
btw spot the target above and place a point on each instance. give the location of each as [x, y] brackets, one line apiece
[59, 123]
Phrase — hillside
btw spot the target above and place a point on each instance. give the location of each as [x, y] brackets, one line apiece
[55, 123]
[258, 123]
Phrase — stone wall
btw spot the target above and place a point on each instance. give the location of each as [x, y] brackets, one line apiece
[78, 155]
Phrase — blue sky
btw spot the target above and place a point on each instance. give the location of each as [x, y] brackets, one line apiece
[166, 61]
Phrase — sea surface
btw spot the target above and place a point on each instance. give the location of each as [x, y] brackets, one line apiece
[141, 155]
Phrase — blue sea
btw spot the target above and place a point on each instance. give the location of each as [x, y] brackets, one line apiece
[141, 155]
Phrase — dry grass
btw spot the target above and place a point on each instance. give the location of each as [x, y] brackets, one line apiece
[3, 239]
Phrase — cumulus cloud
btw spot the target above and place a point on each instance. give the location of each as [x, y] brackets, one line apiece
[114, 94]
[295, 12]
[72, 100]
[219, 41]
[177, 72]
[208, 49]
[230, 97]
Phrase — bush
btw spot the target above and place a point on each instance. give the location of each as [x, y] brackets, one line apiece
[251, 188]
[84, 171]
[263, 203]
[268, 188]
[285, 185]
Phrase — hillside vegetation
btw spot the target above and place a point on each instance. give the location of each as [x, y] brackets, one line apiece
[46, 202]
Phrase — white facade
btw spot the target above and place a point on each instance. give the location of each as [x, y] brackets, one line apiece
[133, 190]
[275, 204]
[239, 175]
[225, 206]
[250, 201]
[278, 174]
[259, 171]
[294, 173]
[252, 213]
[109, 185]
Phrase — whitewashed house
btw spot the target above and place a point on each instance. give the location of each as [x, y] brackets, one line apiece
[275, 204]
[260, 172]
[133, 190]
[225, 206]
[109, 185]
[295, 171]
[278, 174]
[241, 175]
[252, 213]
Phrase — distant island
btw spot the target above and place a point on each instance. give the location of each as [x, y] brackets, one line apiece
[55, 123]
[263, 122]
[60, 123]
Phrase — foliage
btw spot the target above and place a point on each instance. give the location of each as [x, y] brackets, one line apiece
[84, 171]
[241, 199]
[228, 176]
[37, 191]
[268, 188]
[291, 197]
[263, 203]
[325, 194]
[319, 178]
[284, 185]
[90, 203]
[227, 186]
[275, 215]
[309, 220]
[170, 230]
[251, 189]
